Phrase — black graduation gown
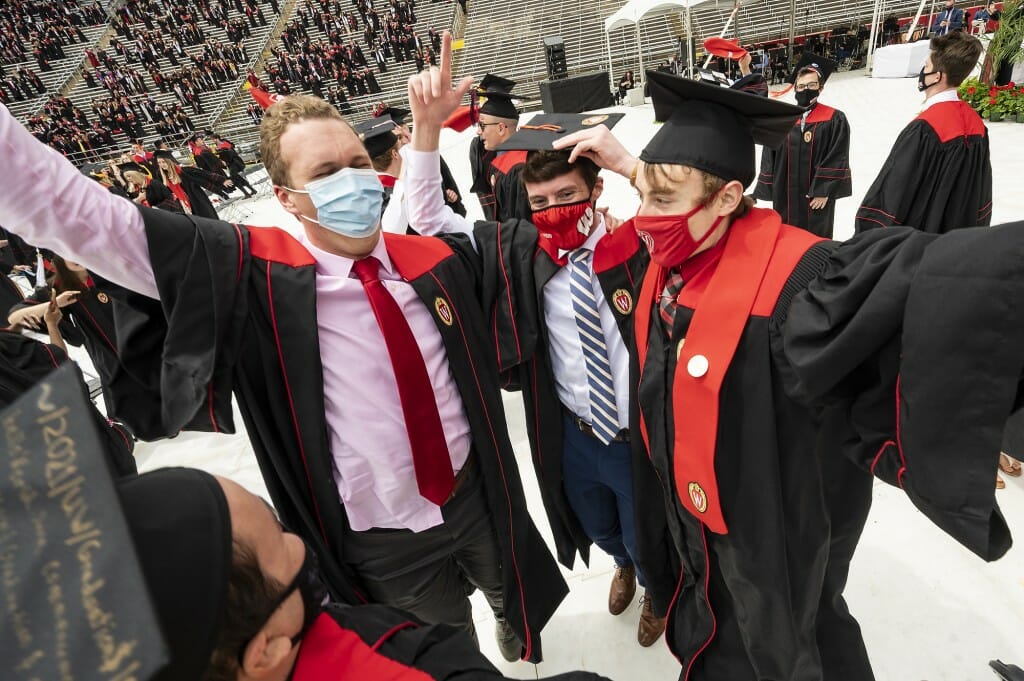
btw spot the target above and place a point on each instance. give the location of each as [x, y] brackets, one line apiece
[510, 199]
[811, 162]
[820, 356]
[448, 182]
[25, 361]
[480, 164]
[518, 267]
[359, 643]
[938, 175]
[92, 325]
[237, 312]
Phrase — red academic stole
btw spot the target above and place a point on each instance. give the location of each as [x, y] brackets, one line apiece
[759, 256]
[331, 653]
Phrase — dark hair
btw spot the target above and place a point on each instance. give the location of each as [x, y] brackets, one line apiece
[65, 279]
[955, 54]
[543, 165]
[806, 70]
[247, 606]
[381, 161]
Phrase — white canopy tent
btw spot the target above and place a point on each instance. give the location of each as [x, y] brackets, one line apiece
[632, 12]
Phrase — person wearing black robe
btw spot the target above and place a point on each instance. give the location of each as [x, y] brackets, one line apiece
[833, 343]
[25, 361]
[497, 120]
[805, 175]
[479, 163]
[222, 310]
[578, 429]
[938, 175]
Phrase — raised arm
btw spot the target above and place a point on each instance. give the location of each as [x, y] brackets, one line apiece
[432, 99]
[49, 203]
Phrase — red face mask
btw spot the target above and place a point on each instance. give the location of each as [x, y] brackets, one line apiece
[567, 225]
[668, 237]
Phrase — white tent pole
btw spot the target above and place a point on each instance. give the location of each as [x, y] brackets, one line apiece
[876, 16]
[724, 30]
[917, 17]
[640, 53]
[689, 43]
[611, 66]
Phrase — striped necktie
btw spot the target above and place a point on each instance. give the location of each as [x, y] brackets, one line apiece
[604, 415]
[669, 301]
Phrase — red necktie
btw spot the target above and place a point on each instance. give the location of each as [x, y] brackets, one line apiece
[430, 457]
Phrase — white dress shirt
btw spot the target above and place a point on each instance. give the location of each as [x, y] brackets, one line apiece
[944, 96]
[428, 214]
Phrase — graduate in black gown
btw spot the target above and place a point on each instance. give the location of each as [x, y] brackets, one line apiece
[764, 355]
[497, 121]
[938, 175]
[805, 175]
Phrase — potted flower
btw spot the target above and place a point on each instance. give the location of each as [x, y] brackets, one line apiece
[972, 91]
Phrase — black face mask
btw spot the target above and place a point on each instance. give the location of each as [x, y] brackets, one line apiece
[921, 85]
[805, 97]
[312, 590]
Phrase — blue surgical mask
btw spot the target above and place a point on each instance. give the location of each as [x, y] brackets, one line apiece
[347, 202]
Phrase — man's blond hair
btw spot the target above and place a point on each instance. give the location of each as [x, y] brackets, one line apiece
[277, 119]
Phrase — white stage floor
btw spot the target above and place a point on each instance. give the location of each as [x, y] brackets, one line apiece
[929, 609]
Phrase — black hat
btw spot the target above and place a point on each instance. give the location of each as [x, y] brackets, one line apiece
[543, 129]
[71, 569]
[165, 154]
[823, 65]
[377, 135]
[396, 114]
[497, 95]
[713, 128]
[132, 165]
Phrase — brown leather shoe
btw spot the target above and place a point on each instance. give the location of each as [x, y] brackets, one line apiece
[651, 628]
[623, 589]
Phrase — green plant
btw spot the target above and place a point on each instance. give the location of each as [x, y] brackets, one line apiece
[972, 91]
[1002, 101]
[1008, 41]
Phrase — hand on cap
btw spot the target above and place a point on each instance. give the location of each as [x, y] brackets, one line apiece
[432, 97]
[600, 146]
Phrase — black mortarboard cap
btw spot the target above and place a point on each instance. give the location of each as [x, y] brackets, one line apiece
[164, 153]
[132, 165]
[497, 95]
[377, 135]
[713, 128]
[72, 575]
[396, 114]
[543, 129]
[823, 65]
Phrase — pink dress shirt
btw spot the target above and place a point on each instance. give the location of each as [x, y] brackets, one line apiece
[52, 205]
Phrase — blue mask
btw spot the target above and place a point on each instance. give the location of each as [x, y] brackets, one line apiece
[347, 202]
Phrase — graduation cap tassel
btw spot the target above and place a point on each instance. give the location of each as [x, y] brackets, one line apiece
[40, 270]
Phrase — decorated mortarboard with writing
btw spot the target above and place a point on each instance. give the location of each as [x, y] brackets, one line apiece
[74, 600]
[543, 129]
[713, 128]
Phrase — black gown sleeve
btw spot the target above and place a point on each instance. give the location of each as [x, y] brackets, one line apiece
[889, 199]
[766, 178]
[832, 168]
[181, 350]
[913, 337]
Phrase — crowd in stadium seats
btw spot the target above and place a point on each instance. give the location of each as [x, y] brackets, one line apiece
[335, 66]
[44, 27]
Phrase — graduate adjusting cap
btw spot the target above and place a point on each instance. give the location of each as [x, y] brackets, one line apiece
[720, 47]
[544, 129]
[713, 128]
[164, 153]
[497, 92]
[377, 135]
[823, 65]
